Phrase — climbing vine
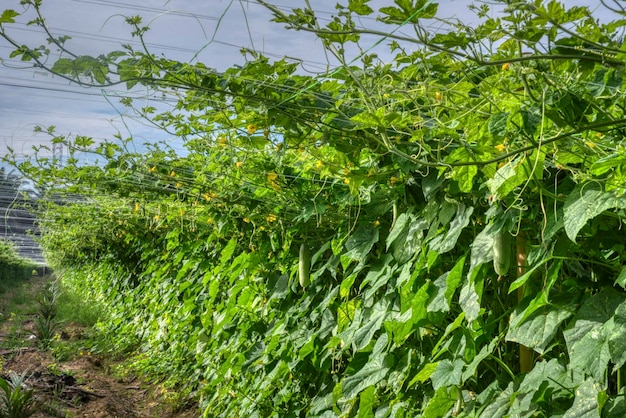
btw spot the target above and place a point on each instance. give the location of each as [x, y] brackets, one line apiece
[394, 184]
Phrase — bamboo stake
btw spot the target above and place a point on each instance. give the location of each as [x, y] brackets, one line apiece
[525, 353]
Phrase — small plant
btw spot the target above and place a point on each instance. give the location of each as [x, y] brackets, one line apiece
[46, 324]
[48, 301]
[45, 329]
[16, 400]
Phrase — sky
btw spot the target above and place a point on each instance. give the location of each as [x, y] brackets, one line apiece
[212, 31]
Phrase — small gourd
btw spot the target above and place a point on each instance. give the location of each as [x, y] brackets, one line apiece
[502, 252]
[304, 266]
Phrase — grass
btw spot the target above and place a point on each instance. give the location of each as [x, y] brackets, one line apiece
[73, 308]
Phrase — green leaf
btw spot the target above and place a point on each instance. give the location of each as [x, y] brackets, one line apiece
[468, 299]
[586, 401]
[446, 286]
[372, 322]
[424, 374]
[439, 404]
[588, 336]
[402, 222]
[406, 236]
[538, 330]
[483, 354]
[482, 246]
[608, 163]
[367, 401]
[499, 407]
[448, 373]
[360, 243]
[585, 203]
[8, 16]
[360, 7]
[497, 124]
[464, 175]
[621, 279]
[228, 251]
[445, 242]
[552, 373]
[531, 119]
[373, 372]
[617, 338]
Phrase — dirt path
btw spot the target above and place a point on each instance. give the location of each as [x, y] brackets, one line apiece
[71, 384]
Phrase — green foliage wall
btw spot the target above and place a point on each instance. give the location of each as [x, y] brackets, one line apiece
[405, 180]
[12, 266]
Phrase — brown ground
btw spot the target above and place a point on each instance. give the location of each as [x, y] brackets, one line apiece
[87, 385]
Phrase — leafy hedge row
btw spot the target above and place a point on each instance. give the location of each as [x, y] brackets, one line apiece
[405, 180]
[12, 266]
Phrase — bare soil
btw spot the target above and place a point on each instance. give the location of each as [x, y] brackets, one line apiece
[86, 385]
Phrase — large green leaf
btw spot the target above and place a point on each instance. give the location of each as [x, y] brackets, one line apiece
[586, 202]
[360, 243]
[446, 285]
[448, 373]
[371, 373]
[617, 338]
[439, 404]
[588, 335]
[497, 124]
[468, 299]
[445, 242]
[538, 330]
[586, 401]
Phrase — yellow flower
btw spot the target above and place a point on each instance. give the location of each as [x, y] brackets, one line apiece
[136, 207]
[346, 180]
[252, 128]
[239, 164]
[172, 173]
[376, 223]
[590, 144]
[506, 66]
[271, 217]
[153, 169]
[271, 178]
[438, 96]
[222, 141]
[156, 217]
[246, 220]
[500, 147]
[319, 164]
[179, 185]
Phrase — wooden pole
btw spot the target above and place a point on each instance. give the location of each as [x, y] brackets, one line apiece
[525, 353]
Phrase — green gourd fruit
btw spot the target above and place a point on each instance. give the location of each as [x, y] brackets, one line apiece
[304, 266]
[502, 253]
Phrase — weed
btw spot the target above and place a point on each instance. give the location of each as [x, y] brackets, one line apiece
[16, 401]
